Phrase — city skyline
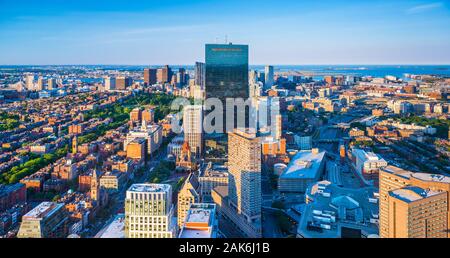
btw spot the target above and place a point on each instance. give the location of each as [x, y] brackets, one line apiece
[311, 119]
[379, 32]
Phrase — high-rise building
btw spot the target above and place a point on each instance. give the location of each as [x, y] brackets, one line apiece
[29, 81]
[226, 74]
[136, 115]
[123, 82]
[40, 83]
[413, 205]
[193, 128]
[148, 115]
[149, 76]
[51, 84]
[277, 127]
[47, 220]
[149, 211]
[200, 74]
[164, 74]
[181, 77]
[110, 83]
[188, 194]
[268, 79]
[244, 166]
[252, 77]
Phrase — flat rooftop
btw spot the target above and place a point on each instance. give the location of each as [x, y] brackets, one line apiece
[200, 222]
[43, 210]
[368, 155]
[412, 193]
[148, 188]
[115, 229]
[200, 214]
[421, 176]
[304, 165]
[335, 207]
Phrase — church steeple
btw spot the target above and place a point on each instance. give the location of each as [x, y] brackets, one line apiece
[95, 186]
[75, 145]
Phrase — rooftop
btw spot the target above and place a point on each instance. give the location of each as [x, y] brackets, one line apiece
[305, 164]
[412, 193]
[368, 155]
[332, 207]
[421, 176]
[200, 222]
[115, 229]
[44, 209]
[140, 188]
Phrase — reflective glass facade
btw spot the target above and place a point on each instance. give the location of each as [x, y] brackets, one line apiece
[226, 71]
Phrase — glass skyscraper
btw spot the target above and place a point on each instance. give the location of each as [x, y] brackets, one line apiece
[226, 76]
[227, 73]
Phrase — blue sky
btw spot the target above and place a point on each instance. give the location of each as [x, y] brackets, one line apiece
[174, 32]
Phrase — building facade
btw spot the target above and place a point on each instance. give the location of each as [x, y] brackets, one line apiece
[244, 166]
[413, 205]
[149, 211]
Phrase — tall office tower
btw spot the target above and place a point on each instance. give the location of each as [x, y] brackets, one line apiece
[200, 74]
[110, 83]
[252, 77]
[277, 127]
[188, 194]
[40, 83]
[51, 84]
[122, 82]
[181, 76]
[29, 81]
[164, 74]
[47, 220]
[244, 167]
[226, 74]
[193, 128]
[173, 80]
[149, 211]
[149, 76]
[413, 205]
[268, 71]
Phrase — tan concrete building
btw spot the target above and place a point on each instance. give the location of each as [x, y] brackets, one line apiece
[413, 205]
[244, 167]
[187, 195]
[193, 129]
